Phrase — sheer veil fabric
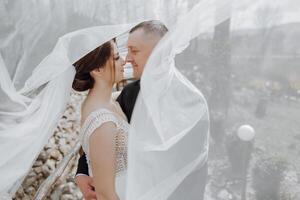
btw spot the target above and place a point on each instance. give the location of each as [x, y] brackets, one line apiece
[170, 123]
[46, 92]
[43, 98]
[169, 133]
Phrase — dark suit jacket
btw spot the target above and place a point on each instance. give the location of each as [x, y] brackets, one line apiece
[126, 100]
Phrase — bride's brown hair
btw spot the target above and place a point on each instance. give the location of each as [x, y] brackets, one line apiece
[95, 59]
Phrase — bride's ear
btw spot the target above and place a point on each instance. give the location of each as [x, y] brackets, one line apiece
[97, 72]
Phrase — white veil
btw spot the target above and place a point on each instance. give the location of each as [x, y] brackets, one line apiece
[170, 124]
[24, 132]
[169, 132]
[172, 152]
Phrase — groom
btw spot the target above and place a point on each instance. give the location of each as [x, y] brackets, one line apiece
[141, 41]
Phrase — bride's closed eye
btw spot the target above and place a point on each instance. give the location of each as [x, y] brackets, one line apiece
[117, 57]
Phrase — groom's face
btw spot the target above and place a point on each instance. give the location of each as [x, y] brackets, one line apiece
[140, 46]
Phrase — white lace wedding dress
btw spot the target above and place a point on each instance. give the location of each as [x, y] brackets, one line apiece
[95, 120]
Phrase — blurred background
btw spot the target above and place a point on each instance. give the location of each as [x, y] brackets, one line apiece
[248, 69]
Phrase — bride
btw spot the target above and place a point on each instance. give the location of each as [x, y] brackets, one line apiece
[104, 126]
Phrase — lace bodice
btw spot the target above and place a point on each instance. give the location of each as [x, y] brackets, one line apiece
[95, 120]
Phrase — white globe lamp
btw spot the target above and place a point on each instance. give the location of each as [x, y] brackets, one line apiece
[246, 132]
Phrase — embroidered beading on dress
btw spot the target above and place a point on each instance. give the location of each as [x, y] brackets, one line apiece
[95, 120]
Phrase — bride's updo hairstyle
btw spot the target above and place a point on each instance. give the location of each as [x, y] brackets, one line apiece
[95, 59]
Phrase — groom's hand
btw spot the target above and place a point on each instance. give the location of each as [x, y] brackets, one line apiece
[85, 184]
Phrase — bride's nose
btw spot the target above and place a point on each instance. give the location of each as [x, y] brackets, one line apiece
[122, 61]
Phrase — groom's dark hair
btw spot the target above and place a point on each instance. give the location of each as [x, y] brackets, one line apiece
[151, 27]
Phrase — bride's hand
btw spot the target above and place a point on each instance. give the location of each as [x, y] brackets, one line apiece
[85, 184]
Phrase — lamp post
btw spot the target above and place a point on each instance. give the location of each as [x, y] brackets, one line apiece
[246, 134]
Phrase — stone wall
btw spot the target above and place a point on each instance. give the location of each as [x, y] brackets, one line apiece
[63, 139]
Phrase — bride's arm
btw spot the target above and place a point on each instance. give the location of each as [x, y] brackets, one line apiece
[103, 159]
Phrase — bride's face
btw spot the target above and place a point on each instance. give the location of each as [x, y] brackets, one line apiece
[118, 63]
[113, 70]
